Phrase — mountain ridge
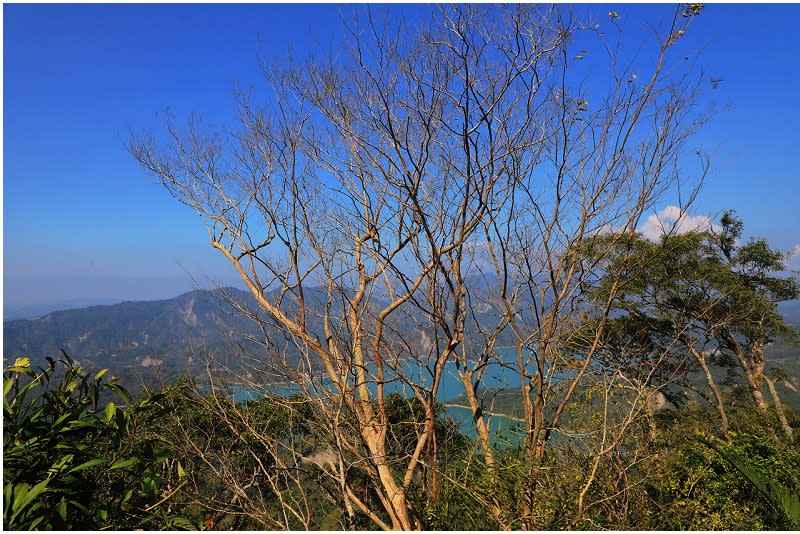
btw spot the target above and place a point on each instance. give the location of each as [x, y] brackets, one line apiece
[163, 336]
[169, 337]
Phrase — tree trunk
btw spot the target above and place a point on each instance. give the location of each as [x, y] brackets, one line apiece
[787, 428]
[484, 436]
[753, 369]
[397, 506]
[712, 385]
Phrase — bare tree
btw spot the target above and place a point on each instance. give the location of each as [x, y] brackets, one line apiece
[417, 204]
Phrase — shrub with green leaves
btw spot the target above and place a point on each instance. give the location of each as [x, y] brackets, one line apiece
[747, 482]
[71, 455]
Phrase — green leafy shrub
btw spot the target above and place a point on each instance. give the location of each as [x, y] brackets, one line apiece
[703, 488]
[72, 458]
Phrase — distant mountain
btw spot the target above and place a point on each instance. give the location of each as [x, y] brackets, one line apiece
[134, 339]
[34, 311]
[149, 340]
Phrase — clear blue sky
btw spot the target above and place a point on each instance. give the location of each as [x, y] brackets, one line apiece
[81, 220]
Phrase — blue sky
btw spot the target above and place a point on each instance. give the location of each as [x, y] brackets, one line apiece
[81, 220]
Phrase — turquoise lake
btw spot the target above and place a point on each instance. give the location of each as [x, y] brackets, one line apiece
[495, 377]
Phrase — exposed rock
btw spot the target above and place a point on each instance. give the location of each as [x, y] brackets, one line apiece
[321, 457]
[188, 313]
[150, 362]
[658, 402]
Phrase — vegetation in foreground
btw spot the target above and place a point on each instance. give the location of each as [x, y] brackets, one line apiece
[79, 453]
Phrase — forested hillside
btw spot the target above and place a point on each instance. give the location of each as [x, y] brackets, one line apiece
[142, 341]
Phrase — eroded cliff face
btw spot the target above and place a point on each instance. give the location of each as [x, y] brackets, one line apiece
[187, 312]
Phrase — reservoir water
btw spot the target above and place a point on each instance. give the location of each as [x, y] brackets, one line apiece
[496, 377]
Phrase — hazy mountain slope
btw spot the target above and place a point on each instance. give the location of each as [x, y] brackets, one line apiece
[134, 339]
[167, 338]
[34, 311]
[172, 337]
[194, 317]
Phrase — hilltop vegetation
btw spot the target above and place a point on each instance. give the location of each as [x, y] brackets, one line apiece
[178, 458]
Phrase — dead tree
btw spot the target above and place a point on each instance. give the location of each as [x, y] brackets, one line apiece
[387, 193]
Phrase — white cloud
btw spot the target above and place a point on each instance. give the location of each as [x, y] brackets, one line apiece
[793, 260]
[673, 220]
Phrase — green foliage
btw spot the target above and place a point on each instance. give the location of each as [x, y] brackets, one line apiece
[696, 487]
[80, 453]
[240, 457]
[458, 501]
[689, 301]
[71, 455]
[784, 499]
[696, 276]
[406, 417]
